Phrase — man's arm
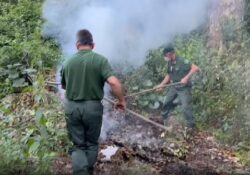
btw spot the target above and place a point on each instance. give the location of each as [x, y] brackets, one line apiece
[194, 69]
[165, 81]
[118, 92]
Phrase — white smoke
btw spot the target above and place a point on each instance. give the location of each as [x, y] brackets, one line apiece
[122, 29]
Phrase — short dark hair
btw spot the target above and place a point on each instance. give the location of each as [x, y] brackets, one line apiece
[84, 37]
[168, 49]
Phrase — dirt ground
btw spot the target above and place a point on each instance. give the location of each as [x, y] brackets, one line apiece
[142, 149]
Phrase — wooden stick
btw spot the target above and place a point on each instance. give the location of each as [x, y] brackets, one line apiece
[130, 111]
[152, 89]
[130, 95]
[52, 83]
[139, 116]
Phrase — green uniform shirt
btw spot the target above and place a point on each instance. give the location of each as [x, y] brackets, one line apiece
[84, 76]
[178, 69]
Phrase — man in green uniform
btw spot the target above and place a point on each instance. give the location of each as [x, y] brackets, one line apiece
[178, 70]
[83, 78]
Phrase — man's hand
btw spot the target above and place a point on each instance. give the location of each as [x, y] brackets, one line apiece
[184, 81]
[193, 70]
[121, 105]
[158, 88]
[118, 92]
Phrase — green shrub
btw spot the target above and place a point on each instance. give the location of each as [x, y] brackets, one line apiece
[220, 90]
[21, 38]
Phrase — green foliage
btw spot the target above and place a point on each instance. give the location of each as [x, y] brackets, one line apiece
[146, 78]
[18, 75]
[31, 135]
[221, 95]
[16, 162]
[156, 64]
[5, 88]
[21, 39]
[229, 30]
[243, 152]
[15, 78]
[154, 70]
[22, 44]
[37, 131]
[220, 91]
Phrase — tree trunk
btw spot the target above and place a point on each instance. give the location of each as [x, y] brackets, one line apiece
[224, 10]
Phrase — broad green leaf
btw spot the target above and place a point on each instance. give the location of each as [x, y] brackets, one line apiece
[148, 83]
[143, 103]
[3, 72]
[16, 65]
[43, 121]
[33, 149]
[152, 97]
[30, 142]
[19, 83]
[156, 105]
[13, 75]
[29, 71]
[135, 88]
[29, 132]
[161, 99]
[9, 66]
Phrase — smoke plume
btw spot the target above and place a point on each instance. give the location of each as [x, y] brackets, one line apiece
[122, 30]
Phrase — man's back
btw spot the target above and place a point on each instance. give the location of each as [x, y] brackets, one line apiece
[84, 76]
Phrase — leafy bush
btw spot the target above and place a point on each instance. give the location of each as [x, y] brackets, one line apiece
[220, 91]
[18, 75]
[21, 38]
[34, 123]
[22, 44]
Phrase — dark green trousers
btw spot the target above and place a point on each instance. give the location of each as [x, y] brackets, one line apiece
[184, 95]
[84, 121]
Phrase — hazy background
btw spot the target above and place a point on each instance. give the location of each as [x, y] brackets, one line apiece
[122, 30]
